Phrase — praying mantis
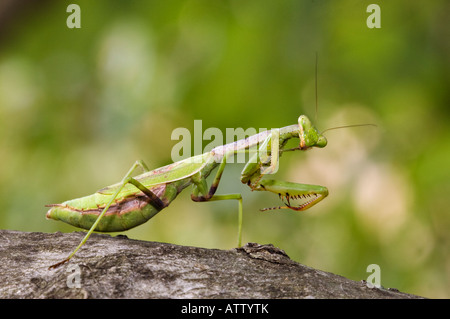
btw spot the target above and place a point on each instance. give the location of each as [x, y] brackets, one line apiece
[136, 199]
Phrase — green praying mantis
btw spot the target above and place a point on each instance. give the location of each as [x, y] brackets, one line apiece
[136, 199]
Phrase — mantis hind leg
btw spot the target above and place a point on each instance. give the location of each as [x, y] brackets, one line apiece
[155, 201]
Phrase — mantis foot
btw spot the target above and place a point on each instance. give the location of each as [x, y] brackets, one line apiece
[54, 266]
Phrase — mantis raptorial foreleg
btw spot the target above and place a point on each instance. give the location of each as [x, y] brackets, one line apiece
[307, 195]
[253, 172]
[154, 200]
[257, 166]
[274, 139]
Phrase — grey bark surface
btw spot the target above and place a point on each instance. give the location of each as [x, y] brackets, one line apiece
[118, 267]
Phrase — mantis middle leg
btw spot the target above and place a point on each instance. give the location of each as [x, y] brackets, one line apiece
[201, 193]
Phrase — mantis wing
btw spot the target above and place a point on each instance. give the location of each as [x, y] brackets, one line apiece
[166, 174]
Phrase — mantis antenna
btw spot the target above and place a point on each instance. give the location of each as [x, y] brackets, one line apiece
[317, 105]
[347, 126]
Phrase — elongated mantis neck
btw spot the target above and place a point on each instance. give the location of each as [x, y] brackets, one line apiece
[286, 133]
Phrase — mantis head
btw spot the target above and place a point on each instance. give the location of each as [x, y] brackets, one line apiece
[309, 136]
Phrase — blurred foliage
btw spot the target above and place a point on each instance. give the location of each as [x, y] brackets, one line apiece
[79, 106]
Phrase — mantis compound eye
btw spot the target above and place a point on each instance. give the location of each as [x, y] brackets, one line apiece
[322, 141]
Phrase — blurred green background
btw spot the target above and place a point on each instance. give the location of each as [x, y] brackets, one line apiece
[79, 106]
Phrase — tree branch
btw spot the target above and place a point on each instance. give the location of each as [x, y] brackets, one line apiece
[118, 267]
